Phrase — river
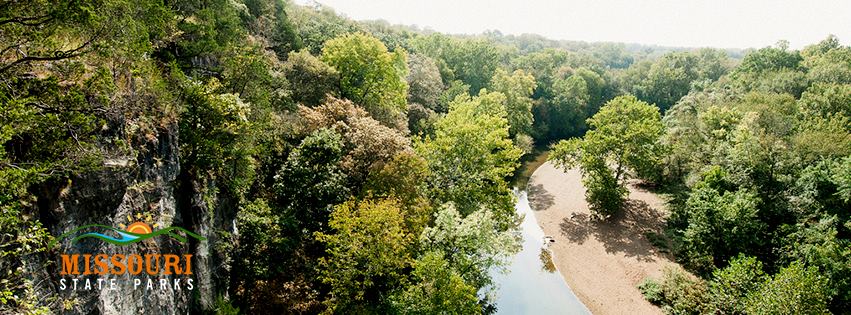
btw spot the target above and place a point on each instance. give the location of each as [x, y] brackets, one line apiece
[531, 284]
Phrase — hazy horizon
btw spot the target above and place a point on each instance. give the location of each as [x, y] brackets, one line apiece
[693, 23]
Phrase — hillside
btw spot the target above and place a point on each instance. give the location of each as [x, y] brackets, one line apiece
[260, 157]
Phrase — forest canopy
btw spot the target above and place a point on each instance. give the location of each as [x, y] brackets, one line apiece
[360, 167]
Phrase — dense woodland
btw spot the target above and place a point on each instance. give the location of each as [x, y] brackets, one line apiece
[756, 159]
[366, 167]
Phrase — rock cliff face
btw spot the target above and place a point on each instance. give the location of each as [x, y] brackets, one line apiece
[149, 184]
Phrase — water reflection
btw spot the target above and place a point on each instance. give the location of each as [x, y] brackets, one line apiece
[547, 261]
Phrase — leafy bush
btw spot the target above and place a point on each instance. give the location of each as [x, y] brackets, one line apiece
[721, 225]
[525, 143]
[436, 285]
[731, 286]
[224, 307]
[683, 293]
[795, 289]
[652, 291]
[819, 245]
[678, 293]
[368, 251]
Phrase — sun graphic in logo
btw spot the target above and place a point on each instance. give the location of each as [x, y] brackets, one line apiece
[138, 225]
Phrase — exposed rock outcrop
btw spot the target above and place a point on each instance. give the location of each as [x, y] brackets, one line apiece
[148, 186]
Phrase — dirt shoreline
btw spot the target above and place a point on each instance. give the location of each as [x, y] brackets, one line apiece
[603, 262]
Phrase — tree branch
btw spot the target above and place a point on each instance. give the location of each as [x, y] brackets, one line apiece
[59, 55]
[26, 21]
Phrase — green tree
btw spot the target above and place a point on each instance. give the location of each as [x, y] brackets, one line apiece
[563, 115]
[828, 62]
[311, 181]
[215, 139]
[473, 245]
[574, 94]
[613, 55]
[366, 142]
[40, 32]
[421, 120]
[405, 178]
[470, 156]
[436, 289]
[367, 252]
[825, 99]
[370, 76]
[313, 79]
[795, 289]
[822, 190]
[772, 168]
[771, 69]
[394, 36]
[820, 245]
[473, 61]
[424, 82]
[597, 88]
[215, 28]
[623, 138]
[769, 58]
[424, 94]
[454, 89]
[681, 293]
[249, 73]
[731, 286]
[721, 225]
[517, 88]
[316, 25]
[62, 107]
[670, 77]
[544, 66]
[815, 51]
[269, 19]
[820, 138]
[261, 240]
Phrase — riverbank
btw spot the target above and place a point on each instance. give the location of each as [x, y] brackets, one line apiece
[603, 262]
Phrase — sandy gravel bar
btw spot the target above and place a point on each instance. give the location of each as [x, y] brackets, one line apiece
[603, 262]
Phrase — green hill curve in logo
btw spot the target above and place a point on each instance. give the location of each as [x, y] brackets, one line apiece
[125, 237]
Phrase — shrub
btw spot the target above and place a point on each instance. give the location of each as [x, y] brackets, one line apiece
[224, 307]
[652, 291]
[795, 289]
[678, 293]
[731, 285]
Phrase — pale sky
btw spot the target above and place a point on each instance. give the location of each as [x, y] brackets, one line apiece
[686, 23]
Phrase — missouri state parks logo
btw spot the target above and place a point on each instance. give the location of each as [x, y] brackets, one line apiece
[139, 271]
[134, 232]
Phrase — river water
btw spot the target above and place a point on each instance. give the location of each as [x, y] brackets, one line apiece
[531, 284]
